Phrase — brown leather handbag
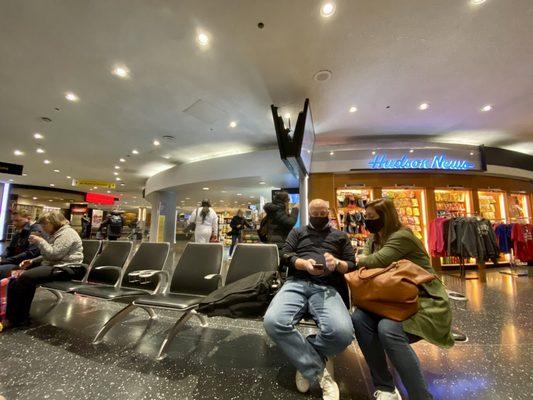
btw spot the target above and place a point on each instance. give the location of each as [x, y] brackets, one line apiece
[391, 292]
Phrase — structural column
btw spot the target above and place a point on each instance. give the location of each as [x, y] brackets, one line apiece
[304, 200]
[163, 224]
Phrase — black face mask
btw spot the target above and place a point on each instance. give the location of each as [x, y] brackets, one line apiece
[374, 225]
[319, 223]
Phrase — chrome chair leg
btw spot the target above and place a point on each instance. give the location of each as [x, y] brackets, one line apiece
[150, 312]
[115, 319]
[171, 333]
[203, 319]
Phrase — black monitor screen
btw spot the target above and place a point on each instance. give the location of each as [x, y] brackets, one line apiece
[304, 138]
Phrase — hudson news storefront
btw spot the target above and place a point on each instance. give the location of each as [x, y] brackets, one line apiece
[424, 183]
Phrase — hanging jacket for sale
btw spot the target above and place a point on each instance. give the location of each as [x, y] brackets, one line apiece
[491, 250]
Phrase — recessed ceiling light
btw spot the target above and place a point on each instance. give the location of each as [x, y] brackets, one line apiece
[56, 170]
[117, 167]
[203, 39]
[486, 108]
[223, 191]
[118, 179]
[156, 142]
[18, 153]
[46, 161]
[477, 2]
[262, 183]
[423, 106]
[37, 135]
[205, 188]
[122, 160]
[471, 153]
[135, 151]
[71, 97]
[373, 153]
[239, 194]
[353, 109]
[40, 151]
[24, 174]
[327, 9]
[121, 71]
[109, 191]
[34, 198]
[187, 198]
[95, 187]
[50, 200]
[69, 177]
[122, 184]
[411, 151]
[52, 185]
[232, 124]
[331, 153]
[287, 115]
[115, 173]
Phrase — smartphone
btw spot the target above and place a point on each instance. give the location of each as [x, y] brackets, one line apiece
[318, 266]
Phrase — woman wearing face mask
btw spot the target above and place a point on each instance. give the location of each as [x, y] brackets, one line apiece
[390, 241]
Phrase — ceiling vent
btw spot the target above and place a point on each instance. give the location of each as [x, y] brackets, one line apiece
[322, 76]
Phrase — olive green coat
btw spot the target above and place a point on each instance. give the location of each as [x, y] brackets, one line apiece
[433, 320]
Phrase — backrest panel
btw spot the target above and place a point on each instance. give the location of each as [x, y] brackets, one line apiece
[115, 253]
[148, 256]
[251, 258]
[197, 261]
[90, 250]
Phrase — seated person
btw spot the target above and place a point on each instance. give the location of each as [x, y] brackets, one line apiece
[379, 336]
[318, 256]
[61, 258]
[19, 248]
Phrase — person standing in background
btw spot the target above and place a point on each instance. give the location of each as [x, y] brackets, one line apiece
[20, 249]
[237, 224]
[114, 223]
[85, 227]
[278, 221]
[206, 223]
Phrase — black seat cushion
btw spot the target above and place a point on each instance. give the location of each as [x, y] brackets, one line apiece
[63, 286]
[108, 292]
[176, 301]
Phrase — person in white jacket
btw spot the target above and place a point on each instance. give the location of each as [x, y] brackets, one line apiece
[206, 221]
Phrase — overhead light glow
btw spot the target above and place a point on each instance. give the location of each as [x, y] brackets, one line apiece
[486, 108]
[40, 151]
[477, 2]
[202, 39]
[287, 115]
[156, 143]
[411, 151]
[73, 97]
[166, 157]
[423, 106]
[18, 153]
[109, 191]
[353, 109]
[52, 185]
[37, 135]
[118, 179]
[69, 177]
[24, 174]
[122, 160]
[471, 153]
[262, 183]
[373, 153]
[331, 153]
[34, 198]
[117, 167]
[121, 71]
[56, 170]
[46, 161]
[232, 124]
[115, 173]
[135, 151]
[239, 194]
[205, 188]
[327, 9]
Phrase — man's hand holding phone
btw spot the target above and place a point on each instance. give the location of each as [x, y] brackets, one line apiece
[311, 266]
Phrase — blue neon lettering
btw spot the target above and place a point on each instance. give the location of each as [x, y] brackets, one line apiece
[439, 161]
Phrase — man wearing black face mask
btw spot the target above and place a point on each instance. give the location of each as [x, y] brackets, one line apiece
[317, 256]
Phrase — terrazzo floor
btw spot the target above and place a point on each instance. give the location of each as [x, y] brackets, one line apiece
[53, 358]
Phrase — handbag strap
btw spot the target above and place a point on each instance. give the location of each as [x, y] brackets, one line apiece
[381, 271]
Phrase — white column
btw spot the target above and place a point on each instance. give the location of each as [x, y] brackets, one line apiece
[304, 201]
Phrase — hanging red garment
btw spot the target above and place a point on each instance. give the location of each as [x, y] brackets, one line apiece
[436, 239]
[522, 236]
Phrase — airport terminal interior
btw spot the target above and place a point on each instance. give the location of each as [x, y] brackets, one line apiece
[165, 132]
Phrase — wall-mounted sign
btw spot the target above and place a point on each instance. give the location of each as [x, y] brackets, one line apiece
[8, 168]
[100, 198]
[438, 161]
[92, 182]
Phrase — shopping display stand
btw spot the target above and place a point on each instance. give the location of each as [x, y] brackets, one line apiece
[514, 269]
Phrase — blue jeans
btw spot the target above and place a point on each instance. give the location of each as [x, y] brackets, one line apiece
[378, 336]
[5, 268]
[295, 299]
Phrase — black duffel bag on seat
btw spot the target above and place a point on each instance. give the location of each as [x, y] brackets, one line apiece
[248, 297]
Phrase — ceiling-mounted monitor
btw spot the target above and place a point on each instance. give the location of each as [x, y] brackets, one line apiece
[296, 150]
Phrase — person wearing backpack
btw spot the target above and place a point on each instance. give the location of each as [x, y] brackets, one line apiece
[278, 222]
[204, 223]
[237, 224]
[114, 224]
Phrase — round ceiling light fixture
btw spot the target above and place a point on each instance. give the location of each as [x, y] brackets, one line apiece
[353, 109]
[486, 108]
[327, 9]
[73, 97]
[121, 71]
[38, 136]
[477, 2]
[202, 39]
[232, 124]
[322, 75]
[18, 153]
[423, 106]
[156, 142]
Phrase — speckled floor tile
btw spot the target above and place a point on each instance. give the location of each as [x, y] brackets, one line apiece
[54, 358]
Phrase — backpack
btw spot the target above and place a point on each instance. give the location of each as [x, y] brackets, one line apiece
[262, 232]
[248, 297]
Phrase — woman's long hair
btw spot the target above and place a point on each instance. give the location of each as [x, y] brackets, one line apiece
[205, 209]
[386, 211]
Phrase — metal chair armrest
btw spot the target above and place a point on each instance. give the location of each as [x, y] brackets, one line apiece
[145, 276]
[213, 276]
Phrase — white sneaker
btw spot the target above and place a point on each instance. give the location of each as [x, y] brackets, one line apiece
[380, 395]
[302, 384]
[330, 389]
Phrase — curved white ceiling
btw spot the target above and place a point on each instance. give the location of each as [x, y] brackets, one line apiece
[381, 53]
